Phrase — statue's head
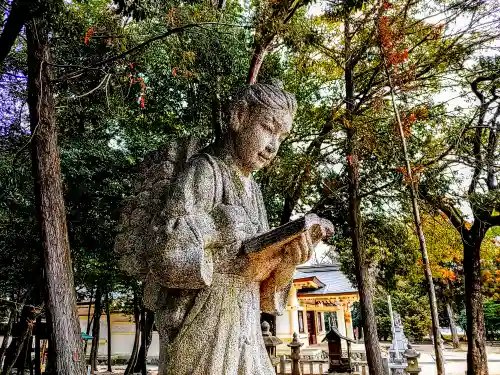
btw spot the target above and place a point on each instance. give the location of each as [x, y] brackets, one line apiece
[260, 118]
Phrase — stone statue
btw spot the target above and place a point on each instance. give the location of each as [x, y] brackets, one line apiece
[206, 293]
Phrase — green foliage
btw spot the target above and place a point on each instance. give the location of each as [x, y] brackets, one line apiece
[491, 319]
[412, 304]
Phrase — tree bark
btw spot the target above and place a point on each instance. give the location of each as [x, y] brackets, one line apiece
[8, 331]
[133, 357]
[217, 110]
[147, 331]
[29, 361]
[61, 300]
[256, 63]
[89, 323]
[143, 342]
[38, 370]
[477, 362]
[363, 278]
[20, 363]
[438, 345]
[19, 13]
[453, 327]
[108, 323]
[96, 328]
[26, 323]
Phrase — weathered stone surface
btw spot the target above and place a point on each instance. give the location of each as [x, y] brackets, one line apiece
[200, 208]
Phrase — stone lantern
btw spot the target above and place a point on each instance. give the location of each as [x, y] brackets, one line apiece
[271, 342]
[412, 356]
[295, 354]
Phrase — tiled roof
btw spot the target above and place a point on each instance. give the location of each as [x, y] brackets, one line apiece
[331, 275]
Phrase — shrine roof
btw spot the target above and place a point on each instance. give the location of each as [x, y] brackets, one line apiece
[334, 280]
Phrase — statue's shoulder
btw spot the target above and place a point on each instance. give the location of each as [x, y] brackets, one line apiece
[156, 174]
[210, 158]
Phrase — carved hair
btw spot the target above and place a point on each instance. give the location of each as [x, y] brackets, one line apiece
[269, 95]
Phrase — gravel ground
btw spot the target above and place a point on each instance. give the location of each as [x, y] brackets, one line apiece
[455, 365]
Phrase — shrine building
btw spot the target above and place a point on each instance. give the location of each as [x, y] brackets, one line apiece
[321, 295]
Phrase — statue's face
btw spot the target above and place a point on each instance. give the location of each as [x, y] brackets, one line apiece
[259, 135]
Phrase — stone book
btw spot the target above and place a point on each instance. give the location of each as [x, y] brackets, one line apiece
[317, 227]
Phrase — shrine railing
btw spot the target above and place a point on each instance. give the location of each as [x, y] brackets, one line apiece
[316, 367]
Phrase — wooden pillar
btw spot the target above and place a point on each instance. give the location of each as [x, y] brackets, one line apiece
[341, 321]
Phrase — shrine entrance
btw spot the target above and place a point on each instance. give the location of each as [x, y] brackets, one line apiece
[311, 327]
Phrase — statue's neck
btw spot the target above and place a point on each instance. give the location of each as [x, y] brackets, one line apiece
[226, 151]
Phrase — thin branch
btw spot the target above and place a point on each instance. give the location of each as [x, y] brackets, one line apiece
[449, 149]
[106, 77]
[379, 188]
[176, 30]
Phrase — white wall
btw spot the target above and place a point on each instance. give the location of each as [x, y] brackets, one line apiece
[122, 338]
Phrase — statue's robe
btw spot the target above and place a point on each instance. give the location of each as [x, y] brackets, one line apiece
[208, 308]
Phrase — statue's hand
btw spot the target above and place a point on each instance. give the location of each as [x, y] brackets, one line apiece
[281, 261]
[299, 251]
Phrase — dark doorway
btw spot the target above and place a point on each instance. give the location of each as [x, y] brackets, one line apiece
[271, 319]
[311, 327]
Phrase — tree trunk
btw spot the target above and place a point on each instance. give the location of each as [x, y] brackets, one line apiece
[8, 331]
[143, 342]
[18, 345]
[363, 278]
[96, 327]
[89, 323]
[108, 323]
[217, 110]
[147, 331]
[133, 357]
[453, 327]
[18, 15]
[477, 362]
[255, 64]
[259, 53]
[61, 301]
[38, 362]
[29, 361]
[21, 359]
[438, 345]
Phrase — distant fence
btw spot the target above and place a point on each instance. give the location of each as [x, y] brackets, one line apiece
[314, 366]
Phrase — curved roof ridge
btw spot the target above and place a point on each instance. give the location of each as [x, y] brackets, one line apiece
[319, 267]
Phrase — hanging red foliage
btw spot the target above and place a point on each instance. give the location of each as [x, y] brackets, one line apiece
[88, 34]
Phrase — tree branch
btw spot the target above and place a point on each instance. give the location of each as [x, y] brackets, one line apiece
[176, 30]
[446, 207]
[476, 143]
[490, 151]
[19, 14]
[379, 188]
[494, 221]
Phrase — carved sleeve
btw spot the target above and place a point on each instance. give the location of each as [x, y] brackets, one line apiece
[275, 289]
[179, 252]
